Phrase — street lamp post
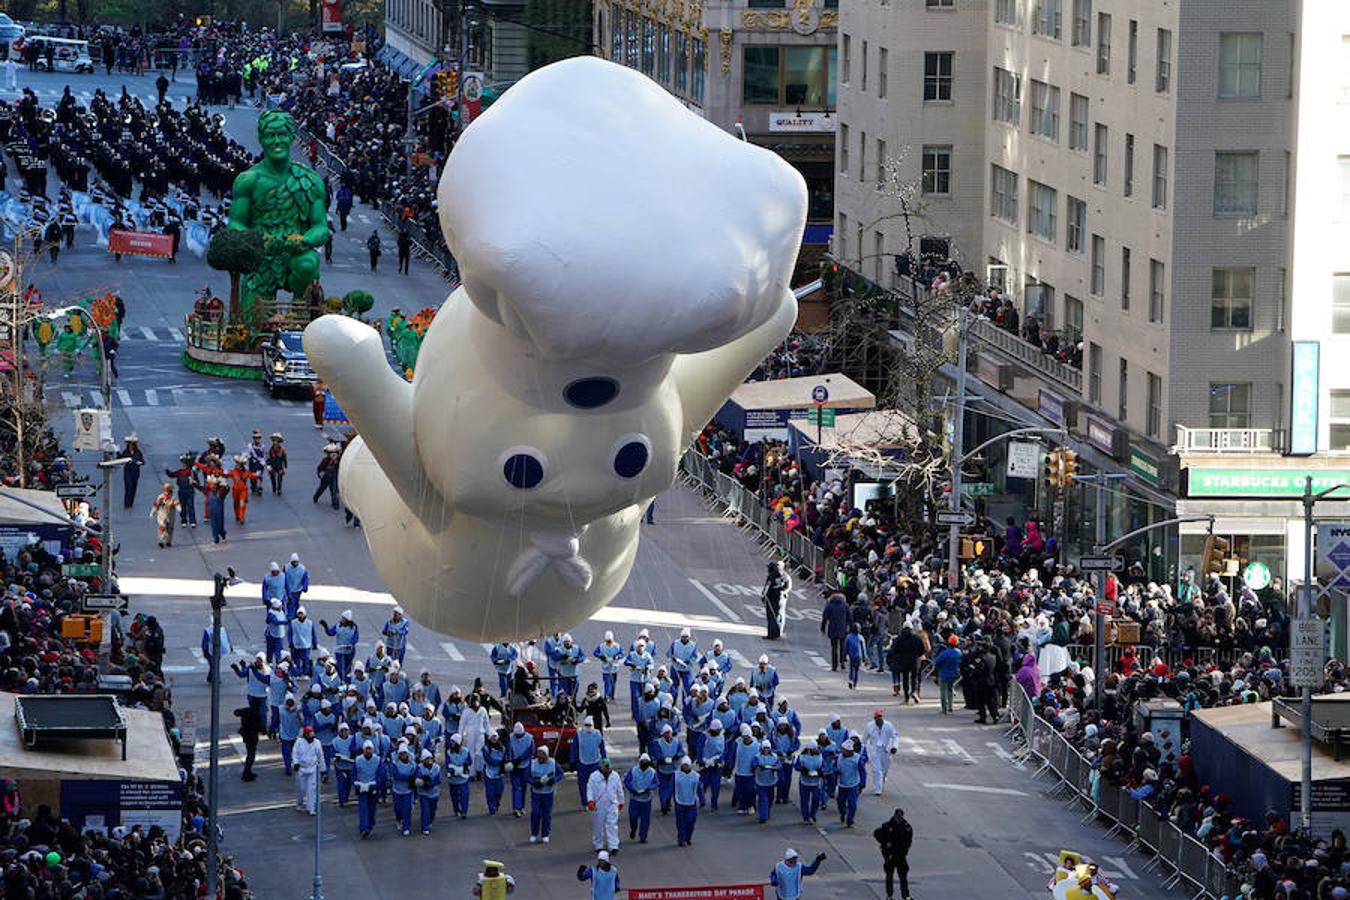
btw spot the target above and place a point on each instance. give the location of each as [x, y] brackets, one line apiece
[109, 449]
[317, 893]
[1306, 609]
[958, 447]
[1099, 591]
[213, 771]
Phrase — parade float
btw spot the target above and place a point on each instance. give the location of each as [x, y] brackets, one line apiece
[278, 221]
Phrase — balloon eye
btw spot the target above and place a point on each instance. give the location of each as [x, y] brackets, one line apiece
[590, 393]
[631, 458]
[523, 470]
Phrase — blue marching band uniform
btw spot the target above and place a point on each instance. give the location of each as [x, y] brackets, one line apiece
[385, 736]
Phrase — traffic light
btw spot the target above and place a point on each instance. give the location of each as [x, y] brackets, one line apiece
[1216, 552]
[1068, 466]
[446, 84]
[973, 547]
[1054, 468]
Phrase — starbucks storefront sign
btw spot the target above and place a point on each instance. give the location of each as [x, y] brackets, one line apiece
[1204, 481]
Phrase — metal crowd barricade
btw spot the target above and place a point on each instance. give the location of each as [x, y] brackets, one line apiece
[1108, 800]
[1127, 812]
[1219, 879]
[1169, 845]
[1192, 862]
[1148, 828]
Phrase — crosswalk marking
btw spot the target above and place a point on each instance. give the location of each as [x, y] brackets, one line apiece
[124, 396]
[148, 333]
[958, 751]
[739, 659]
[1003, 753]
[151, 397]
[452, 651]
[817, 659]
[913, 746]
[71, 399]
[176, 334]
[178, 396]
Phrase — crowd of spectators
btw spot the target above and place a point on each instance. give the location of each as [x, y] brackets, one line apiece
[988, 302]
[1202, 642]
[42, 856]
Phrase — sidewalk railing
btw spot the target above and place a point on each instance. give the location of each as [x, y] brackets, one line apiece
[752, 515]
[1186, 858]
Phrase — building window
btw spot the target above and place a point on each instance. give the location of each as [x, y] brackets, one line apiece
[846, 62]
[1126, 264]
[808, 76]
[765, 4]
[1153, 426]
[843, 149]
[878, 255]
[1073, 319]
[1129, 165]
[681, 62]
[937, 169]
[862, 156]
[663, 54]
[1133, 52]
[1103, 43]
[1157, 285]
[1100, 147]
[1338, 423]
[937, 76]
[940, 4]
[698, 69]
[1123, 391]
[784, 76]
[1008, 12]
[1281, 277]
[648, 47]
[1094, 373]
[1003, 194]
[759, 75]
[1230, 405]
[1007, 96]
[1045, 110]
[1235, 183]
[1159, 176]
[1098, 285]
[616, 38]
[841, 238]
[1047, 17]
[1231, 298]
[1162, 82]
[1078, 122]
[883, 79]
[881, 163]
[863, 86]
[1239, 65]
[1340, 303]
[1082, 23]
[1041, 217]
[1075, 224]
[1344, 68]
[632, 47]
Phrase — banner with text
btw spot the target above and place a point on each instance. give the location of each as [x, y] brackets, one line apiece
[712, 892]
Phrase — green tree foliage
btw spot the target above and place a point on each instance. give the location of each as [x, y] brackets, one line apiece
[236, 252]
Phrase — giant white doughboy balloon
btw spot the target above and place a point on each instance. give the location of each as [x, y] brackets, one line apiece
[625, 265]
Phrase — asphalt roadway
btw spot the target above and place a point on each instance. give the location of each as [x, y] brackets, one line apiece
[983, 828]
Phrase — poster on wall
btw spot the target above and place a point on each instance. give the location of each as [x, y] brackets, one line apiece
[102, 804]
[332, 15]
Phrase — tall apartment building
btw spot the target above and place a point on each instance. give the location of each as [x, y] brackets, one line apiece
[1164, 180]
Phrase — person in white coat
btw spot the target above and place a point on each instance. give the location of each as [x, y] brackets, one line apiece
[881, 742]
[308, 759]
[605, 799]
[473, 728]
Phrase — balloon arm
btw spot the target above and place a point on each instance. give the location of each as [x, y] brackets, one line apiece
[349, 356]
[705, 380]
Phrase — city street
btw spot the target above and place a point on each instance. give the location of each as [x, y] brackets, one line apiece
[983, 828]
